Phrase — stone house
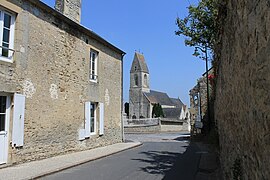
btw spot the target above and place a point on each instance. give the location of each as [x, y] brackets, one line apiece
[198, 99]
[185, 114]
[142, 99]
[60, 83]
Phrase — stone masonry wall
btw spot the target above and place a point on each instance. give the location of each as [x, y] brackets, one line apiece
[70, 8]
[143, 129]
[51, 67]
[242, 103]
[138, 104]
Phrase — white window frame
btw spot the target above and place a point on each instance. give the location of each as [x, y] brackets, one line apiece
[93, 70]
[7, 112]
[11, 36]
[95, 118]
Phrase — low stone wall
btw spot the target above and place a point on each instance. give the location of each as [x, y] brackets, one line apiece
[169, 125]
[175, 128]
[171, 122]
[145, 121]
[155, 125]
[142, 128]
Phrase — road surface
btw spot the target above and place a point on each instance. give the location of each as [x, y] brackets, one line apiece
[162, 156]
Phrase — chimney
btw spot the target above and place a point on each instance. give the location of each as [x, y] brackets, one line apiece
[69, 8]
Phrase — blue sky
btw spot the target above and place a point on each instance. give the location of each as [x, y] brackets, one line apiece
[147, 26]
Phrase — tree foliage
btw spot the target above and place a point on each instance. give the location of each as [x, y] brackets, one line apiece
[157, 111]
[200, 25]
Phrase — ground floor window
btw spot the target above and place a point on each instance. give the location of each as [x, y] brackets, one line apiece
[93, 118]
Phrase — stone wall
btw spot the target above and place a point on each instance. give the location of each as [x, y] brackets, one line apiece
[51, 67]
[139, 106]
[70, 8]
[155, 125]
[242, 103]
[145, 121]
[168, 125]
[142, 128]
[175, 128]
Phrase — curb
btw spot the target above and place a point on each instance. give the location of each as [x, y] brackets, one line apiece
[159, 132]
[82, 162]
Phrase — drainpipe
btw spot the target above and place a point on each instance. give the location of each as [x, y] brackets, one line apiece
[122, 99]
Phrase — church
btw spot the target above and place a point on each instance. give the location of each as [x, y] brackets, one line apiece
[142, 99]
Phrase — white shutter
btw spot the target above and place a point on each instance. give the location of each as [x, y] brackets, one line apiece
[87, 118]
[101, 118]
[81, 134]
[18, 120]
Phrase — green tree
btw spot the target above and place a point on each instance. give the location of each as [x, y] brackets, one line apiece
[157, 111]
[200, 25]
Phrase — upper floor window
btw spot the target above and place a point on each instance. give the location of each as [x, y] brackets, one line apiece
[6, 35]
[93, 65]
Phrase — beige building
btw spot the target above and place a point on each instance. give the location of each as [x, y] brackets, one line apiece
[60, 83]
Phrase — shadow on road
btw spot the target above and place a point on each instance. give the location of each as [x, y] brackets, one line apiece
[159, 162]
[171, 164]
[185, 138]
[186, 165]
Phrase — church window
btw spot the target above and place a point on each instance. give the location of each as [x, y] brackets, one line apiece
[145, 80]
[136, 80]
[135, 68]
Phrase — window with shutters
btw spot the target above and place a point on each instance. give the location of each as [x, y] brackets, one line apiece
[91, 111]
[93, 65]
[93, 118]
[7, 20]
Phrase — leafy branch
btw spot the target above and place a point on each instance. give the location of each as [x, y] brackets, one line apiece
[200, 27]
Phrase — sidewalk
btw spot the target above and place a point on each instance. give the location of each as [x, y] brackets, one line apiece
[40, 168]
[209, 164]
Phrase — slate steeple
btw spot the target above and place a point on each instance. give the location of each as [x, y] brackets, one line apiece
[139, 73]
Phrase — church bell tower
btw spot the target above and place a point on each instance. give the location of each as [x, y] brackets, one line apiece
[139, 84]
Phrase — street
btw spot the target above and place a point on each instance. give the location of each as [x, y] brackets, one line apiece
[162, 156]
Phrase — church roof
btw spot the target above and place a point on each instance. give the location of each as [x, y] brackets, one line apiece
[178, 103]
[173, 113]
[139, 63]
[159, 97]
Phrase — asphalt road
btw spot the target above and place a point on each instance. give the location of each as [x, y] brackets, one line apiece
[162, 156]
